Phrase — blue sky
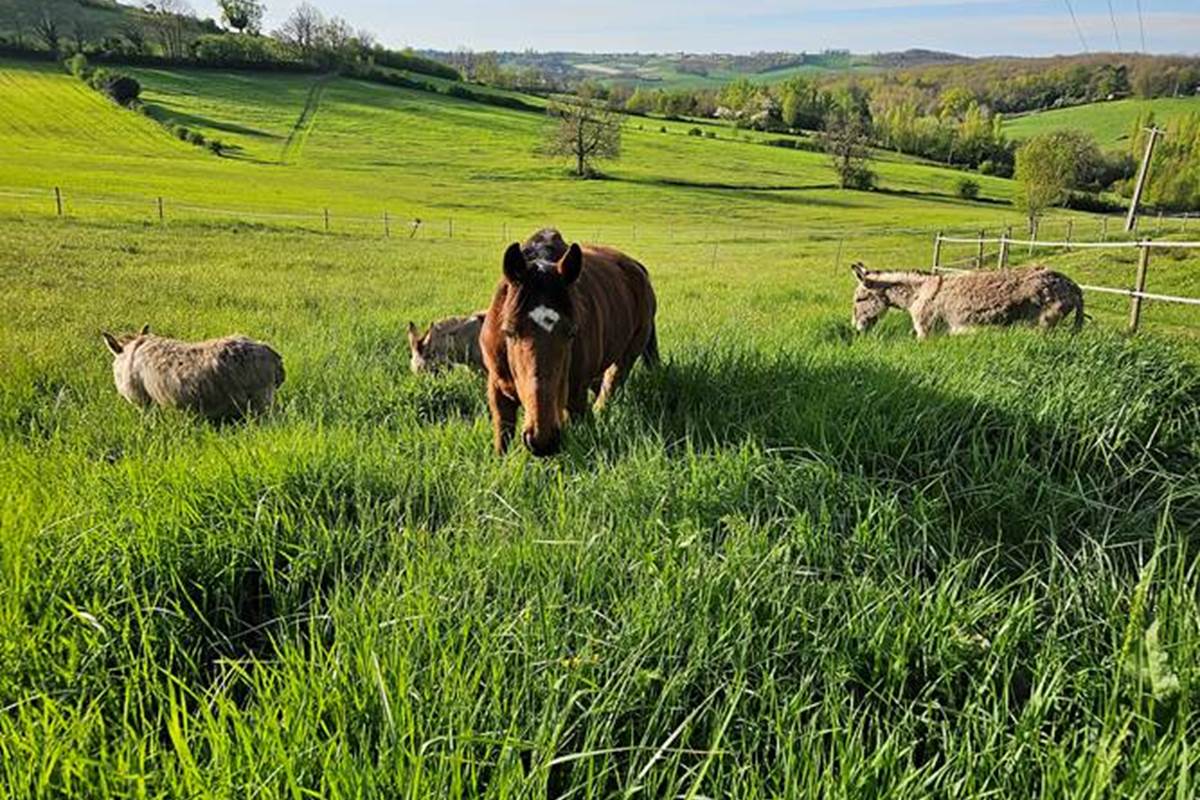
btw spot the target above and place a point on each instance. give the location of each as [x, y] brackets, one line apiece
[972, 27]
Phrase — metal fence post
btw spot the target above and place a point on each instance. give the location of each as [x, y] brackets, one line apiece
[1104, 229]
[1070, 230]
[937, 251]
[1135, 306]
[979, 254]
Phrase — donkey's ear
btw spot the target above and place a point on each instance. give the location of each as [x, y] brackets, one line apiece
[414, 337]
[145, 329]
[111, 342]
[860, 272]
[514, 264]
[571, 264]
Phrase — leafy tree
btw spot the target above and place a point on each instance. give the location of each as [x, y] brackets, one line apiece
[1046, 172]
[845, 140]
[242, 15]
[584, 133]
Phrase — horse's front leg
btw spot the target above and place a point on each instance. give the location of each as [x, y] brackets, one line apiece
[612, 379]
[504, 417]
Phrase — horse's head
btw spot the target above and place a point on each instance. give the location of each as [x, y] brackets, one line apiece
[538, 323]
[870, 299]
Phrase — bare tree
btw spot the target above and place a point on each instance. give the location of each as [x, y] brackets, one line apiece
[242, 15]
[169, 19]
[845, 140]
[303, 30]
[46, 29]
[337, 35]
[585, 133]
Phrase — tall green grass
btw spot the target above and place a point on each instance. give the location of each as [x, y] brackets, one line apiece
[792, 562]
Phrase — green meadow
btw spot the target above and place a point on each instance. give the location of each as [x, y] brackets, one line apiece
[1111, 123]
[792, 562]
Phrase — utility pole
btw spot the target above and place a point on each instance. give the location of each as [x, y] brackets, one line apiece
[1131, 220]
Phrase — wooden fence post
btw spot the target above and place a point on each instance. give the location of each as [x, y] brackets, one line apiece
[714, 258]
[160, 210]
[937, 251]
[1002, 259]
[1070, 230]
[58, 200]
[1135, 307]
[1158, 230]
[450, 227]
[1183, 223]
[1104, 229]
[979, 254]
[1033, 232]
[387, 228]
[327, 220]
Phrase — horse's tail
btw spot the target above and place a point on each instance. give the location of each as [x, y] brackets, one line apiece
[650, 352]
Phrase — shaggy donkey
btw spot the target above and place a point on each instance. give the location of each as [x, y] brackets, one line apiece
[961, 302]
[219, 379]
[450, 341]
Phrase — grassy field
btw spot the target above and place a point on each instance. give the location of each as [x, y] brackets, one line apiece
[1111, 123]
[792, 562]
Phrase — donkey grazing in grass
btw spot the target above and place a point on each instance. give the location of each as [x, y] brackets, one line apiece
[450, 341]
[559, 327]
[961, 302]
[220, 379]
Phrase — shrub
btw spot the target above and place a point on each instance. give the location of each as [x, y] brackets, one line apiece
[967, 188]
[859, 177]
[196, 138]
[710, 134]
[239, 50]
[181, 133]
[663, 129]
[695, 132]
[216, 146]
[987, 167]
[123, 89]
[77, 65]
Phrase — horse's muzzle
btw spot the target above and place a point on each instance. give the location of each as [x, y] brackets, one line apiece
[543, 446]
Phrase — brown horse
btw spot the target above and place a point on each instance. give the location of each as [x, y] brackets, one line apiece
[557, 328]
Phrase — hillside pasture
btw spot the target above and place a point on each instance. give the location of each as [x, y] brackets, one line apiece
[1111, 122]
[792, 562]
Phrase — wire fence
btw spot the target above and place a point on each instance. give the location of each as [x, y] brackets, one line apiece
[709, 242]
[1136, 294]
[394, 224]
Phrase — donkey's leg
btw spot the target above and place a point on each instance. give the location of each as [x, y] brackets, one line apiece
[504, 417]
[1051, 315]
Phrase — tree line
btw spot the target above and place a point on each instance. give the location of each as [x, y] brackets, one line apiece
[169, 31]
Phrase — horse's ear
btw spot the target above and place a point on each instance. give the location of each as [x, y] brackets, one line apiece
[571, 264]
[111, 342]
[145, 329]
[860, 272]
[414, 338]
[514, 264]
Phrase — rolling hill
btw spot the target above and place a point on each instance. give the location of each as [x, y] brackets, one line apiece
[1111, 122]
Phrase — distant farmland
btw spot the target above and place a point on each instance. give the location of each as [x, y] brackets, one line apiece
[1111, 123]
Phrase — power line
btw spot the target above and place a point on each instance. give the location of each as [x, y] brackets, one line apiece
[1113, 17]
[1141, 26]
[1078, 30]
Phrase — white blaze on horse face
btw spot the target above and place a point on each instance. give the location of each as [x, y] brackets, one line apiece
[545, 317]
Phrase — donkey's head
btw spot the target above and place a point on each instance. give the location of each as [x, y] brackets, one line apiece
[122, 347]
[873, 296]
[538, 322]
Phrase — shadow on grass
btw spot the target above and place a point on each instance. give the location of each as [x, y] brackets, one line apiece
[171, 116]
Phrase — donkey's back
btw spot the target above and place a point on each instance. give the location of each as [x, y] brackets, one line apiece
[1004, 297]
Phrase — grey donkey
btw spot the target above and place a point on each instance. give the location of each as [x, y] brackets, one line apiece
[220, 379]
[961, 302]
[454, 340]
